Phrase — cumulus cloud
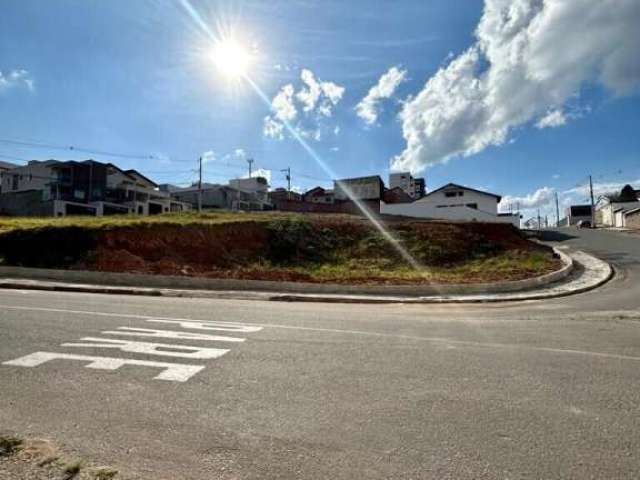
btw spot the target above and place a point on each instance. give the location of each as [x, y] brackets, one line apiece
[304, 108]
[600, 188]
[259, 172]
[369, 107]
[553, 118]
[15, 78]
[515, 72]
[540, 198]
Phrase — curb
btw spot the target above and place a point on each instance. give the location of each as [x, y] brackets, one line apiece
[595, 273]
[161, 282]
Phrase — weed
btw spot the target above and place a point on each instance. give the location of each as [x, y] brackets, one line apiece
[104, 473]
[9, 445]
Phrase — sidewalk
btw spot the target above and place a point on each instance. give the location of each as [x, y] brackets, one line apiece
[587, 273]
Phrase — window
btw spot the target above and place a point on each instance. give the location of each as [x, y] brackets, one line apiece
[460, 194]
[449, 194]
[15, 182]
[472, 205]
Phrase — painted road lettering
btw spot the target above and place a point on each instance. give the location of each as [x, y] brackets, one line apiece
[206, 325]
[149, 332]
[174, 372]
[162, 349]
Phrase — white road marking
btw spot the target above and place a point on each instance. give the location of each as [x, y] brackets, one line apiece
[149, 332]
[632, 313]
[173, 372]
[162, 349]
[208, 325]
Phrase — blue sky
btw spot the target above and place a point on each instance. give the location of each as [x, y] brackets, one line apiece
[137, 78]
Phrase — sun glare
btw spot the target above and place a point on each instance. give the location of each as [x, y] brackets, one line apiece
[231, 58]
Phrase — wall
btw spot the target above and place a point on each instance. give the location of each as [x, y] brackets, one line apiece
[420, 209]
[607, 209]
[486, 203]
[346, 206]
[27, 203]
[368, 188]
[632, 220]
[34, 176]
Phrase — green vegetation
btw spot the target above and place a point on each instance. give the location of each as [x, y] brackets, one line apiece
[9, 445]
[276, 246]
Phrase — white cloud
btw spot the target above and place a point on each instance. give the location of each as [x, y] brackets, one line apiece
[553, 118]
[260, 172]
[313, 101]
[603, 188]
[540, 198]
[208, 156]
[16, 78]
[272, 128]
[369, 106]
[555, 176]
[282, 104]
[530, 57]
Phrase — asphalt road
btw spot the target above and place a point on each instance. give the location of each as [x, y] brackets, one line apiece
[523, 390]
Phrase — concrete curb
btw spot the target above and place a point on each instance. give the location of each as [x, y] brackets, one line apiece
[151, 282]
[589, 274]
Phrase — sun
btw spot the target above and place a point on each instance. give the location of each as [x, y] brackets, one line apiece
[232, 58]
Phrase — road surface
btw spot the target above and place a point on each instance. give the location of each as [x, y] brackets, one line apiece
[245, 389]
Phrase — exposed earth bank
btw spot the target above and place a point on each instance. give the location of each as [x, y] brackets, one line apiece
[311, 248]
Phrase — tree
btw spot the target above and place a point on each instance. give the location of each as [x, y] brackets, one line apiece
[628, 194]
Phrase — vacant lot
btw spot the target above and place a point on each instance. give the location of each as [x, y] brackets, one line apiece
[276, 246]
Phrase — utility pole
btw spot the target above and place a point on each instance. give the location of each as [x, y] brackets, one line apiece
[557, 212]
[593, 207]
[200, 185]
[250, 161]
[288, 177]
[539, 219]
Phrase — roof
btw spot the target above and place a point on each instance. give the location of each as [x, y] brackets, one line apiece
[131, 172]
[315, 190]
[369, 177]
[7, 165]
[632, 211]
[462, 187]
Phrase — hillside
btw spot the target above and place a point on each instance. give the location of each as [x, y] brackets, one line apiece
[276, 246]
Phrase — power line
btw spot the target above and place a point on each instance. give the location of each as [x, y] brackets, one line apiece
[75, 149]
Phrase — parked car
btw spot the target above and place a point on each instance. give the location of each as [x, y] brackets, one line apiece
[584, 224]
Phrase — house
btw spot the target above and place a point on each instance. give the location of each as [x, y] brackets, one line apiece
[632, 219]
[359, 188]
[396, 195]
[607, 206]
[414, 187]
[282, 194]
[453, 202]
[318, 195]
[218, 196]
[576, 213]
[4, 167]
[257, 186]
[87, 187]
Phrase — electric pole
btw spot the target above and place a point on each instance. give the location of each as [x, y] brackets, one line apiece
[250, 161]
[539, 219]
[557, 212]
[288, 177]
[200, 184]
[593, 208]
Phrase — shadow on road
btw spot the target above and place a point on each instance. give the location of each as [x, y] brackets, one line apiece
[555, 236]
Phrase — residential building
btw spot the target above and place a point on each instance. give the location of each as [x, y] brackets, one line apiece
[607, 206]
[362, 188]
[396, 195]
[454, 202]
[283, 195]
[632, 219]
[88, 187]
[219, 196]
[319, 195]
[258, 186]
[576, 213]
[421, 188]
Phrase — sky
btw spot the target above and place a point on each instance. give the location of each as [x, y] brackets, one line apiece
[523, 98]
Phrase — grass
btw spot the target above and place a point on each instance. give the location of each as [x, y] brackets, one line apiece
[275, 246]
[9, 445]
[182, 218]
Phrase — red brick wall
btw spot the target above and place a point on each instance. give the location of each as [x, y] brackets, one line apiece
[338, 207]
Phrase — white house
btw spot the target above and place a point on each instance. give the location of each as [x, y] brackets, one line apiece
[453, 202]
[414, 187]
